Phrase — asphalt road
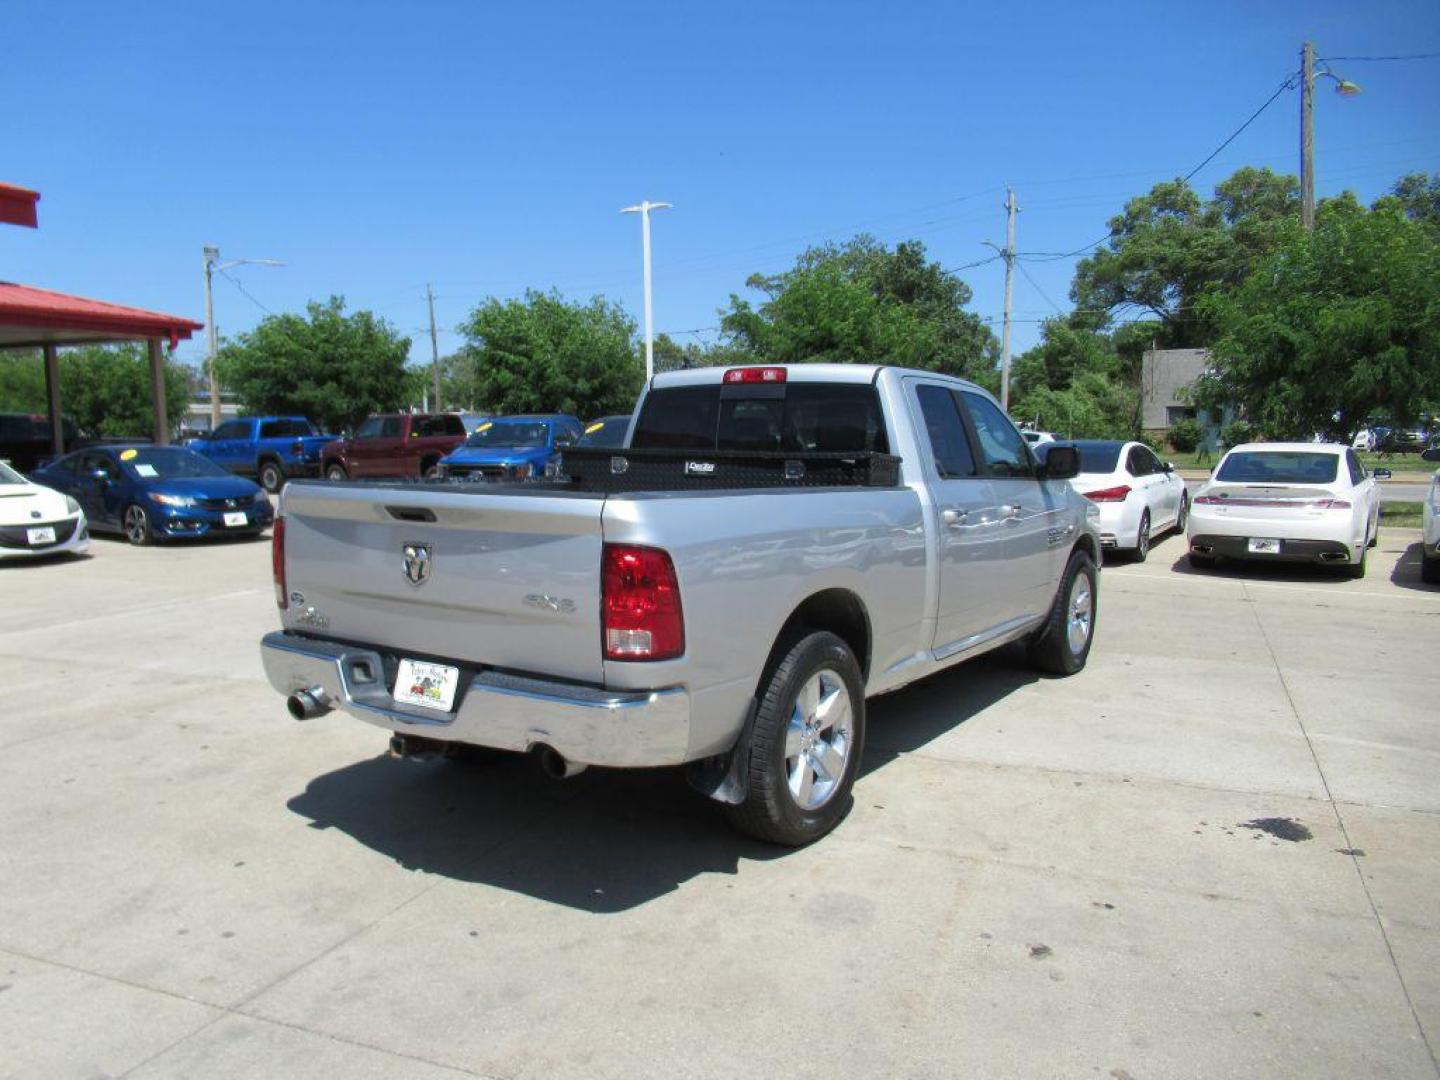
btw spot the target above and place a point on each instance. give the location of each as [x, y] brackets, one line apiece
[1213, 853]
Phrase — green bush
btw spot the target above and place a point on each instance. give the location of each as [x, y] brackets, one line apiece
[1158, 445]
[1236, 432]
[1185, 435]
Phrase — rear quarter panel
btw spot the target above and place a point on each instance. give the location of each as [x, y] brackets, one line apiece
[745, 562]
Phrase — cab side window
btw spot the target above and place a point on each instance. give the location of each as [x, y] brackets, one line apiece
[949, 444]
[1001, 446]
[390, 427]
[232, 429]
[370, 429]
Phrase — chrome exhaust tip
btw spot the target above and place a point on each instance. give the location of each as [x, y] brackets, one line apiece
[556, 766]
[308, 704]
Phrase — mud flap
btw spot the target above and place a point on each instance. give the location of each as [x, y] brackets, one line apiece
[726, 777]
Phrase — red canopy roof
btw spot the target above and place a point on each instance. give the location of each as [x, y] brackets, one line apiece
[17, 205]
[31, 317]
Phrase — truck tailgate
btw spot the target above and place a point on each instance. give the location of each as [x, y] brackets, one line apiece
[513, 577]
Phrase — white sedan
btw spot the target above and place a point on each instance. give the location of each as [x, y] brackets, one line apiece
[35, 520]
[1430, 523]
[1139, 495]
[1287, 502]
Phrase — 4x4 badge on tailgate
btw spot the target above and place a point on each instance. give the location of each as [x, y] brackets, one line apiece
[417, 563]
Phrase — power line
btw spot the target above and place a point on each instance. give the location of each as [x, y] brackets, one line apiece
[1038, 289]
[1370, 59]
[1287, 84]
[244, 291]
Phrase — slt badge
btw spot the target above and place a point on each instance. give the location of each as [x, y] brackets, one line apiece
[417, 563]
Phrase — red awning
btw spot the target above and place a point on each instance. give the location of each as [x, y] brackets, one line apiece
[17, 205]
[31, 317]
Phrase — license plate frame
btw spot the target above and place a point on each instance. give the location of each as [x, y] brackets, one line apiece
[1263, 545]
[236, 519]
[45, 534]
[427, 684]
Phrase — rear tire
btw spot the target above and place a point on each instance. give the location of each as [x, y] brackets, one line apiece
[1142, 539]
[1184, 515]
[272, 476]
[335, 471]
[804, 747]
[1062, 645]
[1430, 570]
[1355, 571]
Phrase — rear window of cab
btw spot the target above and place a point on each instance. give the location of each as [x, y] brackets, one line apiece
[797, 417]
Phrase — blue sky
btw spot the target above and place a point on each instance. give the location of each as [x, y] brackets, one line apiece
[487, 148]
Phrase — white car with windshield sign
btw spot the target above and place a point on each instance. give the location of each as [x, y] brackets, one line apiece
[1287, 502]
[35, 520]
[1139, 496]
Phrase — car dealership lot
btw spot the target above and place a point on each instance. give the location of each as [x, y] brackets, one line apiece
[1040, 877]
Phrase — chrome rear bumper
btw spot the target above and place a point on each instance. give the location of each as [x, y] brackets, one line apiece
[589, 725]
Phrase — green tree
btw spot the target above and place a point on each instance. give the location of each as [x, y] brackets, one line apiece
[547, 354]
[1418, 197]
[1169, 247]
[861, 302]
[1076, 381]
[1341, 323]
[333, 367]
[104, 389]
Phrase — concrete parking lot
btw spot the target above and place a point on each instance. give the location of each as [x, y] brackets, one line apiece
[1214, 853]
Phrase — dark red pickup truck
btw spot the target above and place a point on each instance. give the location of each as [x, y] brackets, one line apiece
[406, 445]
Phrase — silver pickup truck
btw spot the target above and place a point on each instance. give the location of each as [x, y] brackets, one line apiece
[771, 547]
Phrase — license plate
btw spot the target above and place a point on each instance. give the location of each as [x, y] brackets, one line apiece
[431, 686]
[44, 535]
[236, 520]
[1263, 546]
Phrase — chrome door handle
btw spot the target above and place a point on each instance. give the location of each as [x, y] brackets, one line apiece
[951, 516]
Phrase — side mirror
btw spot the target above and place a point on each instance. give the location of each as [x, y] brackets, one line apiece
[1382, 474]
[1060, 462]
[1169, 466]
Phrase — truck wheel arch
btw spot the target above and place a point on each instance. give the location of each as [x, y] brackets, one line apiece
[837, 610]
[1086, 543]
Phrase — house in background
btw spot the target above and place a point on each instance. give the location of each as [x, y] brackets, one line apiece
[1166, 376]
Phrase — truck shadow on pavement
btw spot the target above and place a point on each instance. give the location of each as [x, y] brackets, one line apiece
[605, 841]
[1406, 573]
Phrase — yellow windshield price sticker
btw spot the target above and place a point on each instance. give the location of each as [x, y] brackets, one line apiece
[485, 426]
[594, 428]
[129, 455]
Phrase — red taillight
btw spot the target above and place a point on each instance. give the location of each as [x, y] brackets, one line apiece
[755, 374]
[1209, 500]
[277, 562]
[298, 448]
[1331, 504]
[640, 604]
[1115, 494]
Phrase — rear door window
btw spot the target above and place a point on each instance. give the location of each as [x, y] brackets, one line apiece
[233, 429]
[390, 428]
[1357, 471]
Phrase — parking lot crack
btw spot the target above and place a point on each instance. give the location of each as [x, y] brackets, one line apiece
[1345, 832]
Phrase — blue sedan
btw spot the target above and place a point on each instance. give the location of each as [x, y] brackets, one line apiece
[151, 493]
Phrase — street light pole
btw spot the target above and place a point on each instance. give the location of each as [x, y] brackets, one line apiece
[644, 211]
[1343, 87]
[212, 335]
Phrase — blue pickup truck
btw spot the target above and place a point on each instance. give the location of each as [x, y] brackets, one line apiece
[269, 448]
[512, 447]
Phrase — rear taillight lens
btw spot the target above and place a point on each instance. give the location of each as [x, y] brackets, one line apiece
[1114, 494]
[1331, 504]
[277, 562]
[1208, 500]
[297, 448]
[640, 604]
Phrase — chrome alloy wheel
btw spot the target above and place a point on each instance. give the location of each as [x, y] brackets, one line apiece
[137, 527]
[818, 740]
[1079, 614]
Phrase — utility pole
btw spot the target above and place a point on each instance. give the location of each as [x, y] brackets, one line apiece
[212, 339]
[434, 345]
[1010, 211]
[644, 211]
[212, 333]
[1307, 135]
